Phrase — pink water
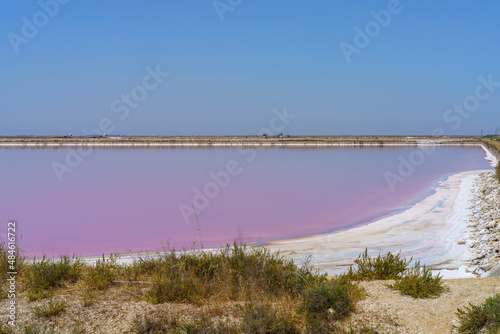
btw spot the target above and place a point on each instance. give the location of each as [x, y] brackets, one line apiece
[128, 200]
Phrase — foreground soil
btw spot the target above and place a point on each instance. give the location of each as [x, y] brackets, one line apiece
[383, 309]
[395, 313]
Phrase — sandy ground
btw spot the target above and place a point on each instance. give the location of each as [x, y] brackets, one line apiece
[429, 231]
[395, 313]
[383, 309]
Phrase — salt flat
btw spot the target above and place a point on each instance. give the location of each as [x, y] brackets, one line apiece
[429, 231]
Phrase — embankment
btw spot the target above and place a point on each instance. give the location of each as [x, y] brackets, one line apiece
[51, 142]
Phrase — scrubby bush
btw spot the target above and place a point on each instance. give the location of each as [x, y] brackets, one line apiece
[418, 282]
[100, 275]
[236, 272]
[160, 324]
[262, 318]
[43, 275]
[9, 257]
[480, 318]
[389, 266]
[153, 324]
[52, 309]
[330, 298]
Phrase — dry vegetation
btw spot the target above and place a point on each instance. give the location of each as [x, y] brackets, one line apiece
[239, 289]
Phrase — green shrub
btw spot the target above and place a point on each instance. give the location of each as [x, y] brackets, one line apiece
[262, 318]
[39, 295]
[418, 282]
[45, 274]
[257, 267]
[236, 272]
[7, 258]
[53, 308]
[173, 287]
[330, 298]
[476, 319]
[385, 267]
[143, 266]
[100, 275]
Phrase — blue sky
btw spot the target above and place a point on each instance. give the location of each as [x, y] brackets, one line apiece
[227, 75]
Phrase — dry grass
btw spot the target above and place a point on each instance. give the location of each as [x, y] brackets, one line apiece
[240, 288]
[276, 297]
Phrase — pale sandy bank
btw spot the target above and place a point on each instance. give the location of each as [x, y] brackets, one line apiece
[430, 231]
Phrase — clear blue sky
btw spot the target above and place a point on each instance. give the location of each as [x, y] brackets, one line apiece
[226, 76]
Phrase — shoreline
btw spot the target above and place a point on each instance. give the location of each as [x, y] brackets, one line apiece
[417, 232]
[483, 233]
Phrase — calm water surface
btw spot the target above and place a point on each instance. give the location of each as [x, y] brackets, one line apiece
[133, 200]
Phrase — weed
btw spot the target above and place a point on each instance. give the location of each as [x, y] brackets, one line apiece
[389, 266]
[477, 318]
[7, 258]
[102, 273]
[45, 274]
[51, 309]
[39, 330]
[89, 295]
[418, 282]
[153, 324]
[236, 272]
[143, 266]
[330, 298]
[39, 295]
[262, 318]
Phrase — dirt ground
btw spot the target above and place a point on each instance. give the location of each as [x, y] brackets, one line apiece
[395, 313]
[383, 309]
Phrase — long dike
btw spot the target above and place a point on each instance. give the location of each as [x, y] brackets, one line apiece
[222, 142]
